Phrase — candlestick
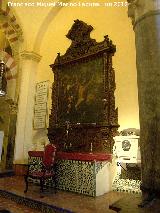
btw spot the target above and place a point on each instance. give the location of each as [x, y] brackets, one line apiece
[91, 147]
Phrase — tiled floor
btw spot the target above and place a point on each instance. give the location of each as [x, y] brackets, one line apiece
[130, 203]
[67, 200]
[74, 202]
[14, 207]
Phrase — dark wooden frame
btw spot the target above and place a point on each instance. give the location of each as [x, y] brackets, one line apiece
[85, 136]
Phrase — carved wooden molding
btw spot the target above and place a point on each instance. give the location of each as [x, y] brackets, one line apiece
[82, 45]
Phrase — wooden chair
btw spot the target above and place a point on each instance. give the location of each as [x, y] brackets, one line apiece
[41, 167]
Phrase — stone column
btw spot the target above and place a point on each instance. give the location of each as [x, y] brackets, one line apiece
[24, 130]
[145, 15]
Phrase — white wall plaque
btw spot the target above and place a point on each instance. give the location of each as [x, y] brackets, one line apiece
[40, 108]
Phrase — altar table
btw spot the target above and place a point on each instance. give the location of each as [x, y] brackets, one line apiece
[85, 173]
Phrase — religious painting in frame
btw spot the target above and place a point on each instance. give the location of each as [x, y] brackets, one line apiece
[81, 92]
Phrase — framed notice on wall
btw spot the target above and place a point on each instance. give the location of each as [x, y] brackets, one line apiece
[40, 107]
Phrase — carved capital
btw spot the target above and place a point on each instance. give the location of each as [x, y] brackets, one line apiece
[31, 56]
[139, 9]
[13, 106]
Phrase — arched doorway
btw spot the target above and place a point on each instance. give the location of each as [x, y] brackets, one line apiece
[10, 38]
[8, 107]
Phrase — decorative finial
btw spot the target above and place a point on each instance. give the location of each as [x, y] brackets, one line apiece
[106, 38]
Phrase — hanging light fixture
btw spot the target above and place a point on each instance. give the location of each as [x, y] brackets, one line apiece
[2, 79]
[3, 82]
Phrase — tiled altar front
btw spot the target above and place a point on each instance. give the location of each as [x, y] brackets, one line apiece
[85, 173]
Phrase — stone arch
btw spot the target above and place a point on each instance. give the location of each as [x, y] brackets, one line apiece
[44, 26]
[8, 23]
[10, 64]
[13, 33]
[11, 73]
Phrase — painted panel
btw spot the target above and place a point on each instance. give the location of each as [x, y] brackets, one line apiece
[81, 92]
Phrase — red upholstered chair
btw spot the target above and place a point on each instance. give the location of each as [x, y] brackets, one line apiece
[41, 166]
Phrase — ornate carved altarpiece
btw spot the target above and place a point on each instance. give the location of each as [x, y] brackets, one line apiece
[83, 103]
